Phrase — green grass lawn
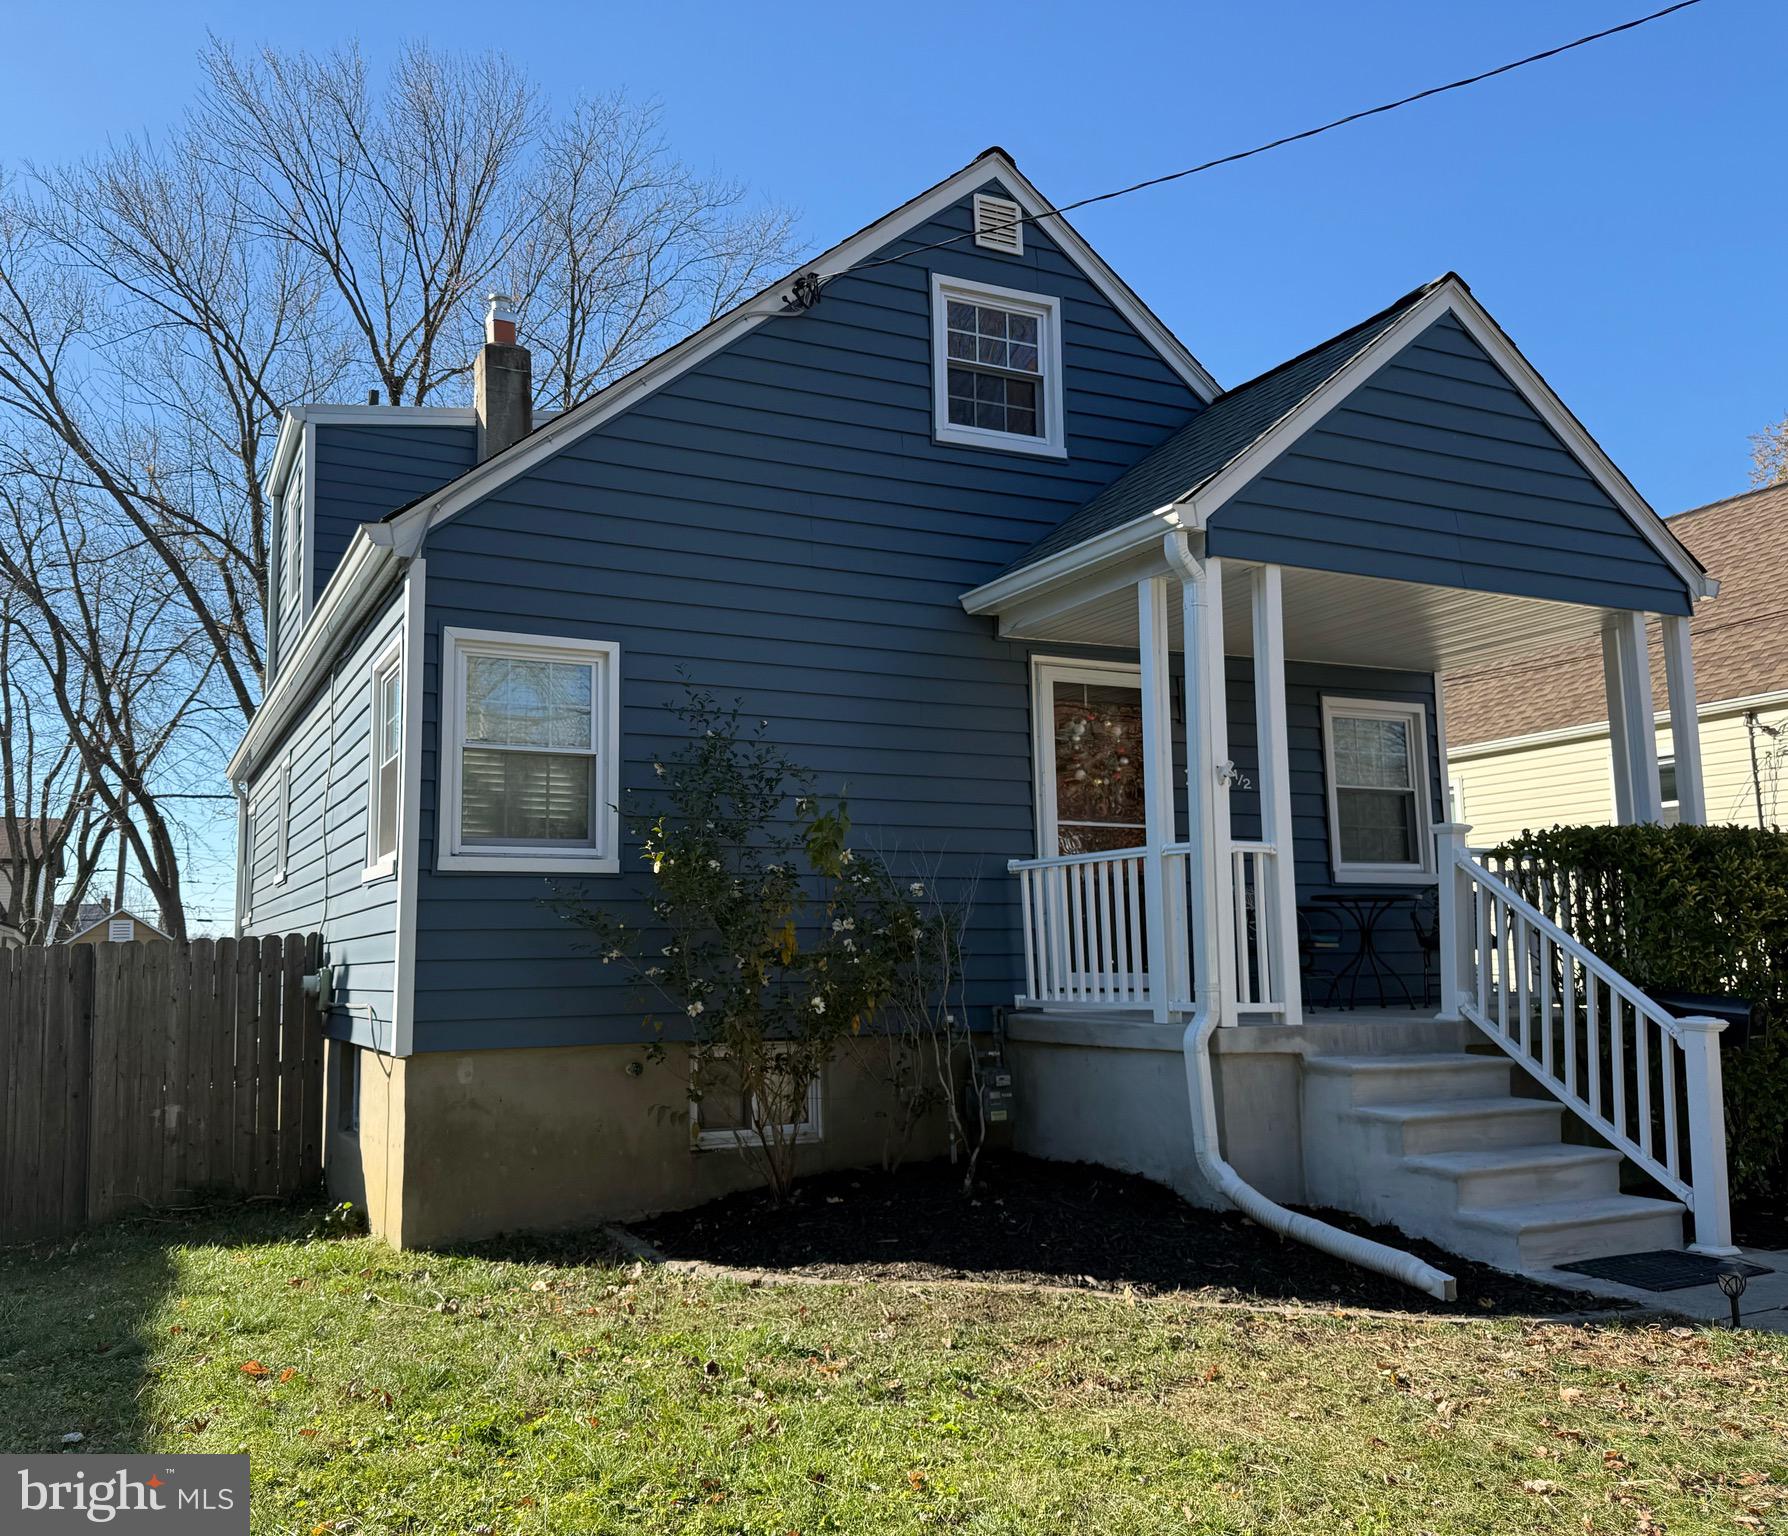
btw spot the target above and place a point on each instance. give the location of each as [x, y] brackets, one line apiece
[554, 1389]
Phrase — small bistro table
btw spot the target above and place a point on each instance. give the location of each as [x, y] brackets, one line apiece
[1366, 908]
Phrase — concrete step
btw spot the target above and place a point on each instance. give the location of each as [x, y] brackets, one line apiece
[1461, 1125]
[1420, 1077]
[1536, 1174]
[1547, 1233]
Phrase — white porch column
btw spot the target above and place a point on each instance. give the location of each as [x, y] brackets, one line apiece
[1157, 789]
[1212, 924]
[1276, 911]
[1685, 721]
[1456, 915]
[1707, 1135]
[1626, 675]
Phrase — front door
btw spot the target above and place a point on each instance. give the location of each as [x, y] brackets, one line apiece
[1089, 757]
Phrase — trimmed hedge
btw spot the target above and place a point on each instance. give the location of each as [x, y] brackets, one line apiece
[1693, 909]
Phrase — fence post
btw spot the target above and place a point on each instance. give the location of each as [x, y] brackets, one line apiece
[1453, 915]
[1707, 1135]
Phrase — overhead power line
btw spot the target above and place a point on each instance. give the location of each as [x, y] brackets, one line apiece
[808, 291]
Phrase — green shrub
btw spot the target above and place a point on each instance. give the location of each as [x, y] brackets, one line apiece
[1692, 909]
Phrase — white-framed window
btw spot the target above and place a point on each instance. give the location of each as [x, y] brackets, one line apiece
[530, 753]
[1375, 756]
[996, 376]
[385, 751]
[292, 505]
[722, 1116]
[282, 811]
[1671, 807]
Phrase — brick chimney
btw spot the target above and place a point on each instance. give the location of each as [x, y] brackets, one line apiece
[502, 381]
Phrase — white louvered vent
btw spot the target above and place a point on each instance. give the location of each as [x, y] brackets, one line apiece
[121, 930]
[997, 226]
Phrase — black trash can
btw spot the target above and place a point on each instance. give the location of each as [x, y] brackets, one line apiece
[1710, 1005]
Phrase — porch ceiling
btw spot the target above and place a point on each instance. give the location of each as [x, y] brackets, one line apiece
[1360, 621]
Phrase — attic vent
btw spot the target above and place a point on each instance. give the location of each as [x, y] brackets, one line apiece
[997, 226]
[120, 930]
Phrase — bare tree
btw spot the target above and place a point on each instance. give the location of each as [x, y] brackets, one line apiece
[1769, 454]
[302, 228]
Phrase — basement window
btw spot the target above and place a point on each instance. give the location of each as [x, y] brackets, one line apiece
[996, 368]
[723, 1117]
[1380, 819]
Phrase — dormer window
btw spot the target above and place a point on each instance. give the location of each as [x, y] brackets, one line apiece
[996, 368]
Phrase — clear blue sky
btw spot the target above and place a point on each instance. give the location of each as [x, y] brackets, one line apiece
[1620, 210]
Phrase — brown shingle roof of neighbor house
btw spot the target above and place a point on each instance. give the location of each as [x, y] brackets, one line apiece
[36, 832]
[1740, 638]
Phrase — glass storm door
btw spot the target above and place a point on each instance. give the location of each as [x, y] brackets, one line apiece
[1090, 794]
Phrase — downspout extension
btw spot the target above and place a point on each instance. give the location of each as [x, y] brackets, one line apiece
[1219, 1174]
[1400, 1266]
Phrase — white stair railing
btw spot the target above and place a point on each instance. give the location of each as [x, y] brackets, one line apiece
[1646, 1081]
[1083, 927]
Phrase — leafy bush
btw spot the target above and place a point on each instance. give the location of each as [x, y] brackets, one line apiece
[1691, 909]
[771, 945]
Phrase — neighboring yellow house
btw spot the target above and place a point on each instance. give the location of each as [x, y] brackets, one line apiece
[1528, 743]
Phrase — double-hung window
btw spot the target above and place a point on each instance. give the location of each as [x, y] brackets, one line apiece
[530, 753]
[996, 368]
[1380, 818]
[385, 789]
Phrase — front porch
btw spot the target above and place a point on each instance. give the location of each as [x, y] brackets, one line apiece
[1289, 749]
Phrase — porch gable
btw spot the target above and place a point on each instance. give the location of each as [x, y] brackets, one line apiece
[1436, 468]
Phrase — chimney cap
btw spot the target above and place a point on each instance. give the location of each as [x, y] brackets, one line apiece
[499, 318]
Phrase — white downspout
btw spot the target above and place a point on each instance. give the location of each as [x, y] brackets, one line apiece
[1218, 1173]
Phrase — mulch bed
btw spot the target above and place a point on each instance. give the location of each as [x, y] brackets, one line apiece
[1042, 1223]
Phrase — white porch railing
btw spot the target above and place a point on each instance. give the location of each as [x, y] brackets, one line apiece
[1084, 938]
[1646, 1081]
[1083, 918]
[1258, 988]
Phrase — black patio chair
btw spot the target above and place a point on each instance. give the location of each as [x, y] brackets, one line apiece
[1320, 932]
[1424, 917]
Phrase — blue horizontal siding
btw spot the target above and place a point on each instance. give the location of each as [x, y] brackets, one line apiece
[326, 842]
[1437, 470]
[365, 470]
[778, 525]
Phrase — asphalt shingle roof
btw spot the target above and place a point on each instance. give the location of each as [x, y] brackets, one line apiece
[1219, 434]
[1740, 639]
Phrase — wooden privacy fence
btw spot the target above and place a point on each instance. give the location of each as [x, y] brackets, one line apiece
[139, 1075]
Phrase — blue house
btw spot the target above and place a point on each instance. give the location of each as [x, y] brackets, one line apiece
[1153, 662]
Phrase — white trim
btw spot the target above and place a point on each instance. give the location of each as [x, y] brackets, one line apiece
[1415, 713]
[387, 661]
[409, 831]
[283, 805]
[1046, 670]
[604, 656]
[349, 597]
[811, 1128]
[1047, 311]
[1449, 296]
[1568, 733]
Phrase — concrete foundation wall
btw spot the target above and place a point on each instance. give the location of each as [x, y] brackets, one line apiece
[457, 1146]
[1113, 1091]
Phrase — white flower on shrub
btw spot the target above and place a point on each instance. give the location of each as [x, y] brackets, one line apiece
[917, 887]
[817, 1003]
[695, 1010]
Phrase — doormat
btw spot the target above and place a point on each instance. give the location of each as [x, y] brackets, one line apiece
[1665, 1269]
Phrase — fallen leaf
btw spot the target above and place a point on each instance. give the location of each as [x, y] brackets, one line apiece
[1569, 1394]
[1540, 1486]
[287, 1374]
[309, 1433]
[254, 1368]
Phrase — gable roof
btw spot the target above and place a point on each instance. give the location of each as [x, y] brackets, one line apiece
[376, 548]
[36, 834]
[1190, 477]
[1218, 435]
[106, 917]
[1740, 643]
